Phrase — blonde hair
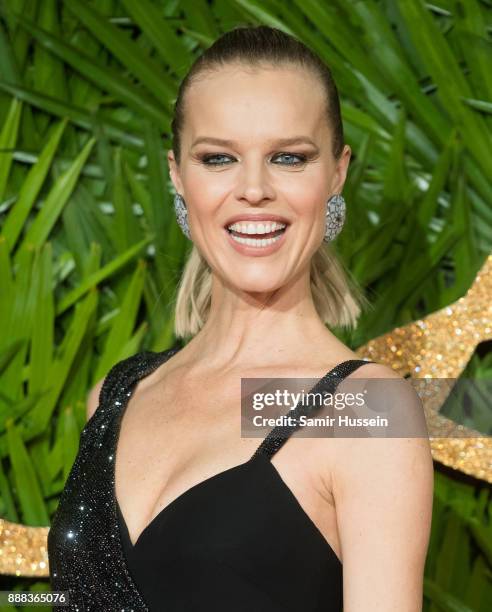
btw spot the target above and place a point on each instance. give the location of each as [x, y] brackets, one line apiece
[338, 299]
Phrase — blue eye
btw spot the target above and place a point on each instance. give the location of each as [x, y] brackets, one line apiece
[207, 160]
[302, 159]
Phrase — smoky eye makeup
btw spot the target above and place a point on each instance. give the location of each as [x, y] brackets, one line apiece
[215, 159]
[281, 158]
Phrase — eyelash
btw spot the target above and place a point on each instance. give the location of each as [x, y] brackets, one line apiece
[205, 159]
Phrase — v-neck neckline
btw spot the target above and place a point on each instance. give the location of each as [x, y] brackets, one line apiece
[170, 507]
[260, 451]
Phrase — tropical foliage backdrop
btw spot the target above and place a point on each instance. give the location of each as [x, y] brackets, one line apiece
[90, 253]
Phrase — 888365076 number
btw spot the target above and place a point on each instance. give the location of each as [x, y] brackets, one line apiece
[34, 598]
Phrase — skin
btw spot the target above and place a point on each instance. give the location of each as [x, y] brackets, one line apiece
[370, 498]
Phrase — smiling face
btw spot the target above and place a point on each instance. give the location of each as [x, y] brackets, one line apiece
[256, 171]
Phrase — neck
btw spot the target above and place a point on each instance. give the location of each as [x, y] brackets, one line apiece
[263, 328]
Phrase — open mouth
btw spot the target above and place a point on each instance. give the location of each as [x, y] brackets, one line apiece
[257, 234]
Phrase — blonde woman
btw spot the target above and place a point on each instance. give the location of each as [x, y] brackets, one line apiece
[167, 506]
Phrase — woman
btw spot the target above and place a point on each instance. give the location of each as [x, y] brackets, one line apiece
[167, 507]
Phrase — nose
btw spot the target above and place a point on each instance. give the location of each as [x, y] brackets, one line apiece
[253, 182]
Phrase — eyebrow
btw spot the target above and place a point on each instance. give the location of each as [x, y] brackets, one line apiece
[282, 142]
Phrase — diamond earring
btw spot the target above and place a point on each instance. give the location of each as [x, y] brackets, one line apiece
[335, 217]
[181, 214]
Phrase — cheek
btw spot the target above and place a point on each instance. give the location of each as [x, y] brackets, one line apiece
[204, 196]
[308, 203]
[203, 205]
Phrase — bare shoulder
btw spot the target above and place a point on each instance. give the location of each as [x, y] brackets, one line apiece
[366, 462]
[387, 387]
[373, 369]
[383, 490]
[391, 393]
[370, 369]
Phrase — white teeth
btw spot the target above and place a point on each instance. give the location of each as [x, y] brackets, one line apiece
[256, 227]
[256, 242]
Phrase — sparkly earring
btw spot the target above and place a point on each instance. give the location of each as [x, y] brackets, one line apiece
[181, 214]
[335, 217]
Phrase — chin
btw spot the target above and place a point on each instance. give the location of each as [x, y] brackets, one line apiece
[255, 282]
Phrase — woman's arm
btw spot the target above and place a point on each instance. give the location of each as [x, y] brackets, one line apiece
[383, 490]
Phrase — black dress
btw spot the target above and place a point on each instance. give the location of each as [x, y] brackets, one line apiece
[236, 542]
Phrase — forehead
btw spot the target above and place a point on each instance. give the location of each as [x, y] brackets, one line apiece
[253, 105]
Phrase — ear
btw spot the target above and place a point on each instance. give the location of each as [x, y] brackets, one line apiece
[341, 169]
[174, 172]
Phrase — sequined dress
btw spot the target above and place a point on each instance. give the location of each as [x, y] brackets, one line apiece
[237, 542]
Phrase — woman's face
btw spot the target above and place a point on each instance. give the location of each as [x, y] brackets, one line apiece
[256, 171]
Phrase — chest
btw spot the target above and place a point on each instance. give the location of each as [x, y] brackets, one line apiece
[170, 442]
[170, 435]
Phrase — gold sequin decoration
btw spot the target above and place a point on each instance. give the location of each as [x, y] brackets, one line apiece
[23, 549]
[438, 346]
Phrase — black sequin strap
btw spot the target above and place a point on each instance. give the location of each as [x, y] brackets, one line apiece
[128, 371]
[279, 435]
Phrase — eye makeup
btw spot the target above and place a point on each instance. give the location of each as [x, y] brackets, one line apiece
[291, 159]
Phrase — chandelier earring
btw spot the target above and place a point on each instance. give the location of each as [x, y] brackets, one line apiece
[182, 214]
[335, 217]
